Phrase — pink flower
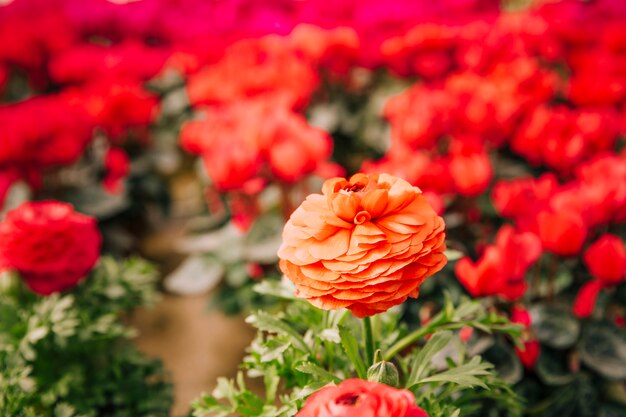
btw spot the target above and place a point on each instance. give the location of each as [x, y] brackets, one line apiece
[356, 397]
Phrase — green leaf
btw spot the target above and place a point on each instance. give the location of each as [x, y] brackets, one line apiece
[554, 325]
[465, 375]
[351, 347]
[265, 322]
[315, 370]
[603, 349]
[271, 380]
[453, 254]
[279, 289]
[249, 405]
[425, 355]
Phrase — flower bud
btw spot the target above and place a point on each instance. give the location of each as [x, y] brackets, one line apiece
[385, 373]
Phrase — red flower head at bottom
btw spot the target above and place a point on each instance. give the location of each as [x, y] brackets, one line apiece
[356, 397]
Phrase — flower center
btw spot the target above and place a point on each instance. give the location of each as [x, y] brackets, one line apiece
[347, 399]
[362, 217]
[353, 188]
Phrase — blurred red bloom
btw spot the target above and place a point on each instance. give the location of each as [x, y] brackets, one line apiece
[426, 50]
[606, 259]
[501, 268]
[585, 301]
[529, 354]
[58, 137]
[470, 168]
[116, 167]
[49, 244]
[562, 232]
[561, 138]
[130, 60]
[251, 138]
[270, 66]
[119, 107]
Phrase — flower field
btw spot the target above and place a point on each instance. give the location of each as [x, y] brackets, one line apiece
[420, 207]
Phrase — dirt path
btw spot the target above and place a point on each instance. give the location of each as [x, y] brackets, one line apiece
[196, 344]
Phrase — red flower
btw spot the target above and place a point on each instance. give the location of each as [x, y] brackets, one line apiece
[530, 354]
[426, 50]
[561, 138]
[249, 138]
[332, 49]
[603, 189]
[419, 116]
[606, 259]
[501, 269]
[470, 168]
[585, 301]
[49, 244]
[523, 196]
[270, 66]
[127, 60]
[4, 78]
[58, 137]
[562, 232]
[531, 351]
[356, 397]
[117, 167]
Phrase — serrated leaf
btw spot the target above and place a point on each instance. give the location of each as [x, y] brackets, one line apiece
[425, 355]
[248, 404]
[316, 370]
[225, 389]
[466, 309]
[281, 289]
[268, 323]
[308, 390]
[507, 364]
[351, 347]
[465, 375]
[273, 350]
[271, 380]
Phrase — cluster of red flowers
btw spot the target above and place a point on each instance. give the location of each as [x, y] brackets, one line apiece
[61, 81]
[546, 86]
[83, 65]
[251, 130]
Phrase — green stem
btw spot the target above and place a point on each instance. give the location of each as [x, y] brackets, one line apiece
[406, 341]
[369, 341]
[417, 334]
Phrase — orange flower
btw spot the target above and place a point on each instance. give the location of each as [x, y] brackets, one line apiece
[366, 244]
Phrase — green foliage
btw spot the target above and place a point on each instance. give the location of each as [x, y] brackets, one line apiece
[68, 355]
[301, 349]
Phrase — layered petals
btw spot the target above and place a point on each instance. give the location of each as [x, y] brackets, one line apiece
[356, 397]
[365, 244]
